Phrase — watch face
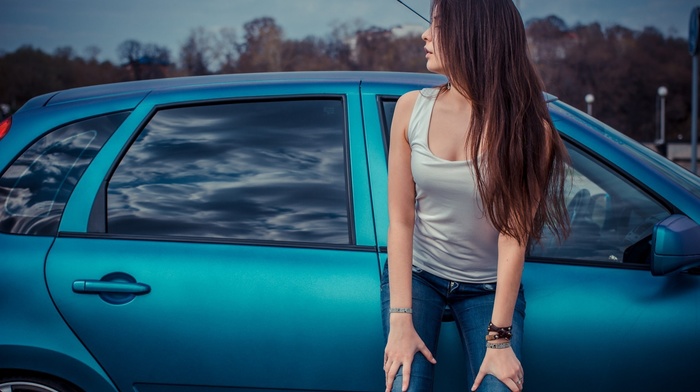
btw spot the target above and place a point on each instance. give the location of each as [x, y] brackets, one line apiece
[693, 31]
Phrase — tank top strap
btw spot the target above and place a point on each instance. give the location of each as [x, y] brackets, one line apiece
[420, 117]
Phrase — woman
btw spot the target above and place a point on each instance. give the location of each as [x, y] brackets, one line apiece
[476, 170]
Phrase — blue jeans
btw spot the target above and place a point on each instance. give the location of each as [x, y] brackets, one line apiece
[471, 305]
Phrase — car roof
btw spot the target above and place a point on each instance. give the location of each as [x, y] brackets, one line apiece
[143, 87]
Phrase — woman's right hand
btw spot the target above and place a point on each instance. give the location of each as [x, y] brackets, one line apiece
[402, 345]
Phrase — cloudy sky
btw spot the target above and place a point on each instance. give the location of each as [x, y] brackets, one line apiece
[48, 24]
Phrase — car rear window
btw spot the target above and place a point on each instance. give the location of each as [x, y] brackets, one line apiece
[36, 186]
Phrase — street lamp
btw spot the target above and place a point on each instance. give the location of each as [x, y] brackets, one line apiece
[661, 141]
[589, 103]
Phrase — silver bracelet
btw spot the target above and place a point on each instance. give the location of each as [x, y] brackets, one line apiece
[401, 310]
[497, 345]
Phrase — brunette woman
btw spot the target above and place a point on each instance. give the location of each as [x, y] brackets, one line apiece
[476, 171]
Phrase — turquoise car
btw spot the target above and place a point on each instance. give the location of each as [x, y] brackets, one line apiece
[227, 233]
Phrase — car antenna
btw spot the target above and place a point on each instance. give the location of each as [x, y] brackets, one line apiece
[414, 11]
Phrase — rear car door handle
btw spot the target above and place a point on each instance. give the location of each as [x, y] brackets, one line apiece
[100, 286]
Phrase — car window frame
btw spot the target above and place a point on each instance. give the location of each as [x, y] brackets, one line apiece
[97, 221]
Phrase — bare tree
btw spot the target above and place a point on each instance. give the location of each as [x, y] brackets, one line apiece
[197, 53]
[145, 61]
[91, 52]
[129, 53]
[622, 68]
[129, 50]
[261, 50]
[226, 49]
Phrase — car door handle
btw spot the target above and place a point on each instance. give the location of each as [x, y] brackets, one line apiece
[100, 286]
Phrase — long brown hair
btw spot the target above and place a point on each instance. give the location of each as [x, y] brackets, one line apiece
[521, 167]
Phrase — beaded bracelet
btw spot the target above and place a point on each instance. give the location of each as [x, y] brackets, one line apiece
[401, 310]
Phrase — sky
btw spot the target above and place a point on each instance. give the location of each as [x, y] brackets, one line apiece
[50, 24]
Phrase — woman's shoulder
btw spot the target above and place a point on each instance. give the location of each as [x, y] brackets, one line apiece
[405, 104]
[408, 100]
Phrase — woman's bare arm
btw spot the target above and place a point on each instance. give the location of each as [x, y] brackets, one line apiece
[403, 341]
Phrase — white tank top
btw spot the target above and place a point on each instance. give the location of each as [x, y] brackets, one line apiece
[452, 237]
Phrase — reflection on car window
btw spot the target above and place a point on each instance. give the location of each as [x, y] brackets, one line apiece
[611, 219]
[36, 187]
[270, 171]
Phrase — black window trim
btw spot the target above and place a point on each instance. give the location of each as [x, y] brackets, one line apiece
[386, 128]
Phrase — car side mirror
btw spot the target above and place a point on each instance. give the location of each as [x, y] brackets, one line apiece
[675, 245]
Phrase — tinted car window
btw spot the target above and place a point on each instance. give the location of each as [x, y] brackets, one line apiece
[611, 219]
[387, 107]
[270, 171]
[36, 187]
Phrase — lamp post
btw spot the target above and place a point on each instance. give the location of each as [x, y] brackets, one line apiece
[661, 141]
[693, 49]
[589, 103]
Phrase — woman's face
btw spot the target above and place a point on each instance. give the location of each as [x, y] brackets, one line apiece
[430, 37]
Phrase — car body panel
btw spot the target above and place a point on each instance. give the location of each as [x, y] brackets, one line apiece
[39, 340]
[243, 320]
[607, 322]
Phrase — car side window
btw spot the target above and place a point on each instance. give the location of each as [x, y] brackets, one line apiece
[36, 187]
[611, 218]
[253, 171]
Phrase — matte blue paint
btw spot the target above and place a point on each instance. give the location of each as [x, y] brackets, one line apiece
[33, 335]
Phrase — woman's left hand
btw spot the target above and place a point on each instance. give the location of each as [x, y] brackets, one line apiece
[504, 365]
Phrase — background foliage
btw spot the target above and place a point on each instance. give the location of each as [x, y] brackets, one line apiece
[622, 68]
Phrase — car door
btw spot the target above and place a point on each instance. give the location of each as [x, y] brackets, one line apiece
[593, 307]
[223, 239]
[596, 318]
